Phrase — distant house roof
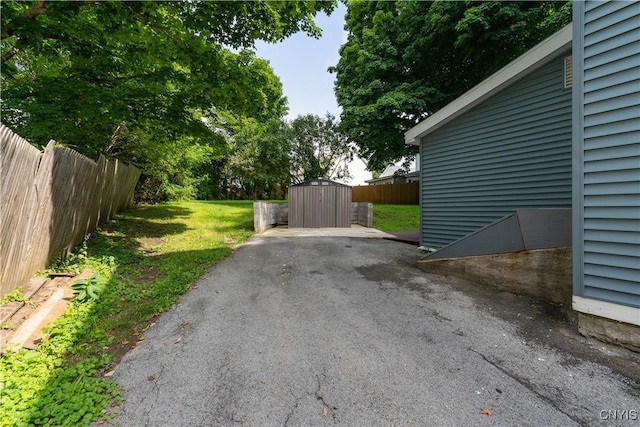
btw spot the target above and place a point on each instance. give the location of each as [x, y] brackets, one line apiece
[392, 169]
[533, 59]
[413, 174]
[381, 179]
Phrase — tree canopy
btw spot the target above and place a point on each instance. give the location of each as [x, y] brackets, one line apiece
[266, 157]
[155, 83]
[86, 72]
[319, 149]
[404, 60]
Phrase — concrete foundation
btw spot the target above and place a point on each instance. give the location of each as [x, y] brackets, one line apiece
[545, 273]
[609, 331]
[362, 214]
[267, 215]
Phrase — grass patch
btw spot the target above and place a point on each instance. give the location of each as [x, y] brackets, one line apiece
[15, 296]
[396, 217]
[147, 257]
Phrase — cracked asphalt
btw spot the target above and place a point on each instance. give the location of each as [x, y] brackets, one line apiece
[322, 331]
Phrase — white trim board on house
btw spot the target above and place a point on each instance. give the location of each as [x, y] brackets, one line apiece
[533, 59]
[621, 313]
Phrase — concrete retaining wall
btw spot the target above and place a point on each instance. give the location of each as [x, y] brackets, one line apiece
[545, 273]
[362, 214]
[267, 215]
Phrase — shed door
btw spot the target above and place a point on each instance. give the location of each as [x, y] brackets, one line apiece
[319, 207]
[296, 207]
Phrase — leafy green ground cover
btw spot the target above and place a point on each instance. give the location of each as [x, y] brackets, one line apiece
[396, 217]
[147, 257]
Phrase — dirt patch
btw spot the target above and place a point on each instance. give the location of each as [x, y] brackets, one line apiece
[147, 275]
[31, 308]
[149, 244]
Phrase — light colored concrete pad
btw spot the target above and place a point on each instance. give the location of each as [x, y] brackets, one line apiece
[354, 231]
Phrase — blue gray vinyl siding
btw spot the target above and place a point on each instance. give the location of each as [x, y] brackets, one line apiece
[512, 151]
[607, 151]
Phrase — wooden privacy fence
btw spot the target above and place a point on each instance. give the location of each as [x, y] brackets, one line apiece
[395, 194]
[50, 201]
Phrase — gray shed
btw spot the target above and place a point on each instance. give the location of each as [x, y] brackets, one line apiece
[319, 203]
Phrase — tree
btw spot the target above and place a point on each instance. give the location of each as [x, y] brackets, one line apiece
[80, 72]
[318, 149]
[29, 24]
[266, 157]
[405, 60]
[120, 77]
[258, 167]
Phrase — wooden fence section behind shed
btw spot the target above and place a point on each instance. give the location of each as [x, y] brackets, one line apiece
[50, 201]
[393, 194]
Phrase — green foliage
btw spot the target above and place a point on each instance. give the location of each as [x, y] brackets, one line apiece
[396, 217]
[404, 60]
[7, 325]
[319, 148]
[174, 171]
[57, 383]
[258, 167]
[266, 157]
[142, 81]
[71, 263]
[88, 289]
[147, 257]
[14, 296]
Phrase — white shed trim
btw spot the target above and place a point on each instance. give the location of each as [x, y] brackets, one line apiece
[534, 58]
[621, 313]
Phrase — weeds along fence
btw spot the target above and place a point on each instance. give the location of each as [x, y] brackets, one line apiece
[396, 194]
[50, 201]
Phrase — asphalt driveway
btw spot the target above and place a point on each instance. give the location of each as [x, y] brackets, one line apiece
[306, 331]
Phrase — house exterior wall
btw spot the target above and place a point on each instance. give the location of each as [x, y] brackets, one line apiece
[512, 151]
[606, 224]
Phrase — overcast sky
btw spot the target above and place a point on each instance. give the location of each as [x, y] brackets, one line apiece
[301, 62]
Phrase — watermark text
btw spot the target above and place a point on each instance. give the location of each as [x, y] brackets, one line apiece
[619, 415]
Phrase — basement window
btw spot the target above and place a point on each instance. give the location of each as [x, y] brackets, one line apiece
[568, 72]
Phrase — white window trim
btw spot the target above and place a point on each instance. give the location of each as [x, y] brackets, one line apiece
[621, 313]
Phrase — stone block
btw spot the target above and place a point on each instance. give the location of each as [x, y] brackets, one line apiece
[610, 331]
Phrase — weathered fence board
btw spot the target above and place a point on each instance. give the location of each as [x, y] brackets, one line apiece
[50, 201]
[397, 194]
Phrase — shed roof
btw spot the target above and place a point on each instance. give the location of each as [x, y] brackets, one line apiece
[531, 60]
[320, 182]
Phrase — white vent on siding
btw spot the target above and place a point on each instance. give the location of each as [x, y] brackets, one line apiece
[568, 72]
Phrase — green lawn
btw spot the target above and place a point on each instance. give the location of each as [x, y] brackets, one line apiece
[147, 257]
[396, 217]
